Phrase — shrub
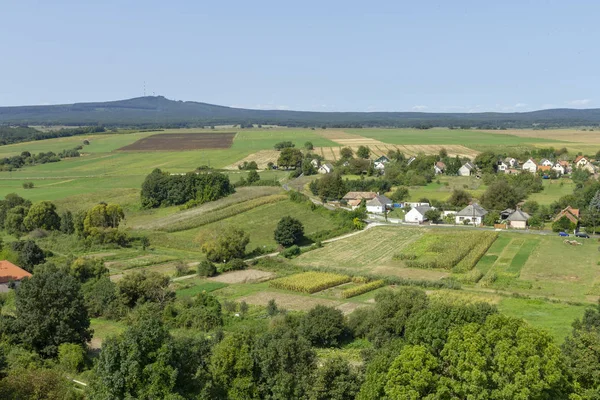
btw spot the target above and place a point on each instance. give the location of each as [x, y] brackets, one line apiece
[291, 252]
[206, 268]
[27, 185]
[234, 264]
[323, 326]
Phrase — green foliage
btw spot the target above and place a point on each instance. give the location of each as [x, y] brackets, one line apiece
[413, 375]
[141, 287]
[288, 231]
[36, 384]
[203, 312]
[289, 158]
[308, 146]
[67, 223]
[29, 254]
[50, 310]
[42, 215]
[14, 221]
[206, 269]
[230, 243]
[487, 162]
[500, 195]
[162, 189]
[388, 318]
[284, 364]
[235, 264]
[400, 194]
[71, 357]
[459, 198]
[346, 153]
[329, 187]
[563, 224]
[363, 152]
[358, 290]
[291, 252]
[335, 380]
[323, 326]
[101, 298]
[283, 145]
[433, 215]
[253, 177]
[85, 269]
[491, 218]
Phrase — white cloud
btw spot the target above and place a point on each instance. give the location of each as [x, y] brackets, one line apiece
[419, 108]
[579, 103]
[520, 105]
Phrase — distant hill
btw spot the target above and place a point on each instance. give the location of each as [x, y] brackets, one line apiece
[154, 111]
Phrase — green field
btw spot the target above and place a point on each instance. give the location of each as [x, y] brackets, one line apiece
[444, 136]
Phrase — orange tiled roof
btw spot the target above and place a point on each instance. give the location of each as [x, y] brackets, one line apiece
[544, 168]
[10, 272]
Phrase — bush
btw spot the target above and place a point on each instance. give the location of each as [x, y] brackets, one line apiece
[27, 185]
[234, 264]
[288, 231]
[291, 252]
[206, 269]
[323, 326]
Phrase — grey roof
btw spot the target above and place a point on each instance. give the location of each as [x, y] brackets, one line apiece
[469, 166]
[382, 159]
[472, 210]
[507, 211]
[518, 216]
[379, 200]
[329, 166]
[422, 209]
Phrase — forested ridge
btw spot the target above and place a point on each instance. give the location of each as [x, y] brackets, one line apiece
[157, 111]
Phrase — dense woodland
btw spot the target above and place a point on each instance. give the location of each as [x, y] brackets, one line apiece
[161, 112]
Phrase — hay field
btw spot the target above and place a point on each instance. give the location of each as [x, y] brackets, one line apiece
[261, 157]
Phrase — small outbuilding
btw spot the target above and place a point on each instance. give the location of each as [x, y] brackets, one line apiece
[466, 170]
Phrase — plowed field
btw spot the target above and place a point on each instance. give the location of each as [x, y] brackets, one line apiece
[184, 141]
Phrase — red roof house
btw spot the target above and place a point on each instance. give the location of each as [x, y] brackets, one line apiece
[10, 272]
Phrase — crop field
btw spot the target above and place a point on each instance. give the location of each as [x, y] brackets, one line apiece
[309, 282]
[184, 141]
[447, 184]
[444, 136]
[447, 250]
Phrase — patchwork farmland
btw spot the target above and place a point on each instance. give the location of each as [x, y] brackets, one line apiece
[186, 141]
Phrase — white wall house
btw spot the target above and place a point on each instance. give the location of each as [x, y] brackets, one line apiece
[417, 214]
[546, 163]
[473, 213]
[502, 166]
[379, 204]
[466, 170]
[530, 166]
[559, 168]
[325, 169]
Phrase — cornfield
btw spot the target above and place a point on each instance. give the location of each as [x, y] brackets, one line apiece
[223, 213]
[447, 250]
[309, 282]
[358, 290]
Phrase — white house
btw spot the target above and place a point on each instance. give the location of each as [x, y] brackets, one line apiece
[581, 161]
[325, 169]
[530, 166]
[315, 163]
[559, 168]
[511, 162]
[546, 163]
[417, 214]
[379, 204]
[379, 166]
[501, 166]
[466, 170]
[382, 159]
[473, 213]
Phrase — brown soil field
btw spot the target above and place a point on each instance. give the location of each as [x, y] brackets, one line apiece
[262, 158]
[184, 141]
[244, 276]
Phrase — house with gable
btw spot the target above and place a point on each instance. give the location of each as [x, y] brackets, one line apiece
[379, 204]
[518, 219]
[558, 168]
[439, 167]
[417, 214]
[473, 213]
[571, 213]
[325, 169]
[501, 166]
[466, 170]
[546, 163]
[530, 166]
[382, 159]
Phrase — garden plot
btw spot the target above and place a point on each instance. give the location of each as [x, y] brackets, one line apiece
[309, 282]
[287, 300]
[244, 276]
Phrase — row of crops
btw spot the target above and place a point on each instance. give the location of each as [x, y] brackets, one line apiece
[447, 250]
[314, 281]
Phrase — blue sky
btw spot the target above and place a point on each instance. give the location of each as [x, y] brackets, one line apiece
[450, 56]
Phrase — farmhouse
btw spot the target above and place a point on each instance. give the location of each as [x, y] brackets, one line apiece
[501, 166]
[571, 213]
[417, 214]
[511, 162]
[581, 161]
[382, 159]
[559, 169]
[359, 196]
[546, 163]
[379, 204]
[473, 213]
[9, 272]
[530, 166]
[325, 169]
[518, 219]
[439, 167]
[466, 170]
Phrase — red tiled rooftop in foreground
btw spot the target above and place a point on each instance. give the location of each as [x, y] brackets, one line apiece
[10, 272]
